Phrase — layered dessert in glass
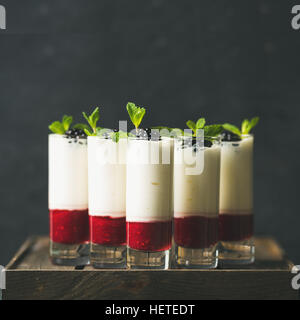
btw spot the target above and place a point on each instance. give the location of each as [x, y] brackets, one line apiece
[236, 200]
[196, 202]
[68, 199]
[107, 201]
[148, 201]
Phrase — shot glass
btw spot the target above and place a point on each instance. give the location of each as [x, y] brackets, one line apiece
[107, 201]
[236, 202]
[68, 200]
[196, 202]
[148, 203]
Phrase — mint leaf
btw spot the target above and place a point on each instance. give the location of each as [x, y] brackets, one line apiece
[192, 125]
[115, 136]
[88, 132]
[136, 113]
[254, 121]
[232, 128]
[81, 126]
[57, 127]
[200, 123]
[196, 126]
[101, 131]
[245, 125]
[66, 122]
[92, 119]
[213, 130]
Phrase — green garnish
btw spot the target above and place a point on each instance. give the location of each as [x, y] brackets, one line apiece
[136, 114]
[196, 126]
[116, 136]
[212, 130]
[63, 126]
[81, 126]
[101, 131]
[172, 131]
[232, 128]
[246, 126]
[92, 121]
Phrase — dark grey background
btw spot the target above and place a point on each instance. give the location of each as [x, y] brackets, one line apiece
[224, 60]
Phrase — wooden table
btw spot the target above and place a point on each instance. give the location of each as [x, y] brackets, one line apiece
[30, 275]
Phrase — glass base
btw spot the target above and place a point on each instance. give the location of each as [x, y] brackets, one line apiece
[236, 252]
[69, 254]
[196, 258]
[103, 257]
[137, 259]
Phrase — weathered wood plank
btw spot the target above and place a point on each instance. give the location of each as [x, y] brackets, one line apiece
[30, 275]
[160, 285]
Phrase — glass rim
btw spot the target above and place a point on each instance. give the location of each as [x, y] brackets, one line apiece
[215, 138]
[104, 138]
[64, 136]
[243, 137]
[159, 140]
[247, 135]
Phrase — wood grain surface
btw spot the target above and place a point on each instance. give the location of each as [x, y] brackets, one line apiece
[30, 275]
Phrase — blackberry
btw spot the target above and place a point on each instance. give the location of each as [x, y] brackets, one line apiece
[207, 143]
[75, 133]
[229, 136]
[148, 134]
[192, 142]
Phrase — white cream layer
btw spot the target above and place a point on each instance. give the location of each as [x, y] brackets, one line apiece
[197, 194]
[236, 183]
[68, 173]
[149, 185]
[107, 177]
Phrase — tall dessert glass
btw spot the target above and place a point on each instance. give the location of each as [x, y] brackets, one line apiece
[196, 202]
[68, 200]
[148, 203]
[107, 201]
[236, 201]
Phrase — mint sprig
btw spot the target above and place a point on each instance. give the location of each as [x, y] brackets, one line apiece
[66, 122]
[196, 126]
[81, 126]
[116, 136]
[232, 128]
[246, 127]
[212, 130]
[61, 127]
[92, 121]
[136, 114]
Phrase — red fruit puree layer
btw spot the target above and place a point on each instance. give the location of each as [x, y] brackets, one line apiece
[69, 226]
[107, 230]
[233, 227]
[197, 232]
[149, 236]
